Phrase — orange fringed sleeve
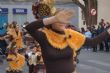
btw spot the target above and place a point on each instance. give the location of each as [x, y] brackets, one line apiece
[76, 39]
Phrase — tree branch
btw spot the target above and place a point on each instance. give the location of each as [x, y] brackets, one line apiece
[79, 4]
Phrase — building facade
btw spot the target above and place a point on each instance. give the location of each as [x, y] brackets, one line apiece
[21, 11]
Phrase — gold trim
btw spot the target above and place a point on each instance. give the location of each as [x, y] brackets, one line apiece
[71, 38]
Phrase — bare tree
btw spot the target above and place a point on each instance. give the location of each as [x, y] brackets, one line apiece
[89, 10]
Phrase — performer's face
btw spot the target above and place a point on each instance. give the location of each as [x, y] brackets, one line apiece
[59, 26]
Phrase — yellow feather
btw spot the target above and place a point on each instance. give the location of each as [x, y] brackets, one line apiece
[17, 63]
[73, 39]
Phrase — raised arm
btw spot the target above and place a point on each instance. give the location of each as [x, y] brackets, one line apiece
[63, 16]
[98, 39]
[32, 27]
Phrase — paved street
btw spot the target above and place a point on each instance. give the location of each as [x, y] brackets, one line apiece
[90, 62]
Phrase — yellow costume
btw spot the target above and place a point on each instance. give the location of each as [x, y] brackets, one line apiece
[16, 36]
[71, 38]
[19, 40]
[17, 62]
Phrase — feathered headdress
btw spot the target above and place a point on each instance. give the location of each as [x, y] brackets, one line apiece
[43, 8]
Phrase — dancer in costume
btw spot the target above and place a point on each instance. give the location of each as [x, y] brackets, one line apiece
[33, 60]
[16, 34]
[59, 44]
[15, 60]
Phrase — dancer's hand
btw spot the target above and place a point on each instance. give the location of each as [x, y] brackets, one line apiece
[64, 16]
